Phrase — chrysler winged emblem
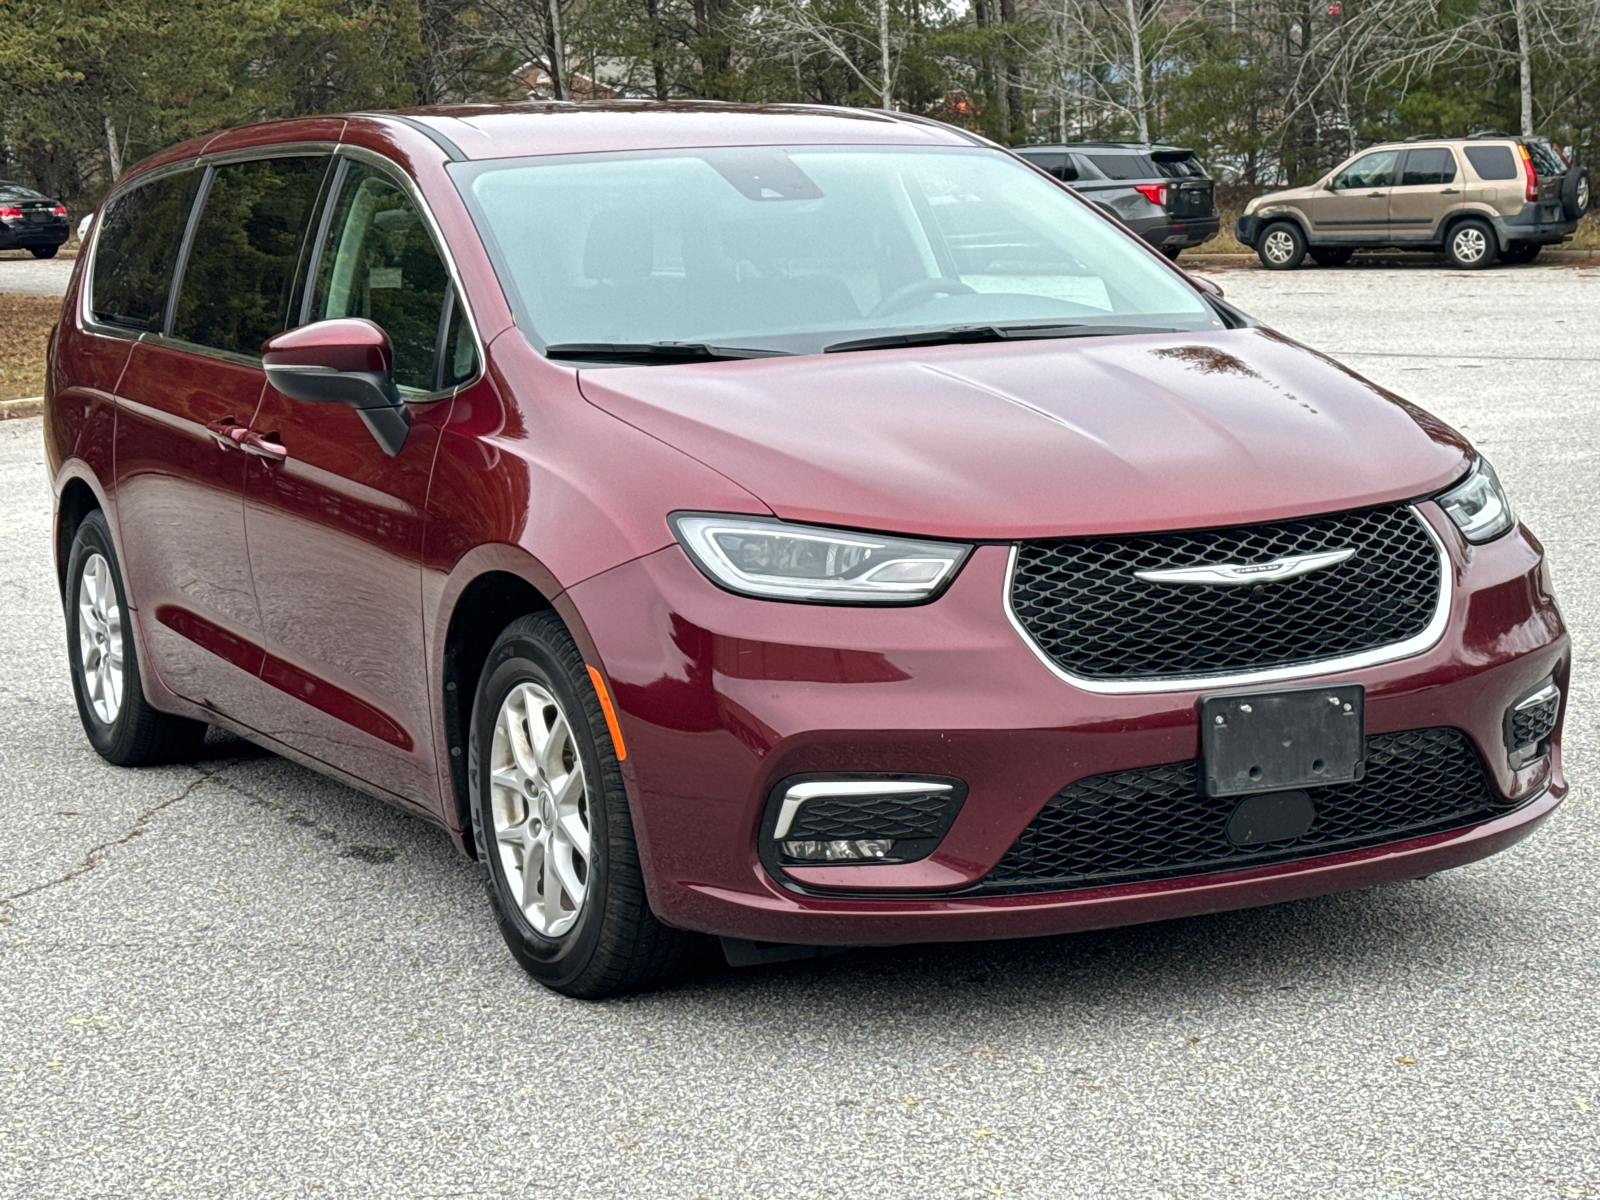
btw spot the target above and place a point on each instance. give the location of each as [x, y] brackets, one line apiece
[1235, 574]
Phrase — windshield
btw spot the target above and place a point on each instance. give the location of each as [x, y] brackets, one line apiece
[801, 248]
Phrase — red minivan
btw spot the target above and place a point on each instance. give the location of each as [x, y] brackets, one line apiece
[806, 527]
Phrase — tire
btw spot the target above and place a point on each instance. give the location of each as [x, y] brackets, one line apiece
[43, 251]
[121, 725]
[1172, 252]
[1281, 246]
[1576, 193]
[605, 941]
[1471, 245]
[1520, 252]
[1330, 256]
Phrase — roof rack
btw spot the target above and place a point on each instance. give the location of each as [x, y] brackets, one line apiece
[1486, 133]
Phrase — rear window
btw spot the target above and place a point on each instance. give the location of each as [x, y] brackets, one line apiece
[15, 191]
[1179, 166]
[1545, 159]
[1124, 166]
[137, 249]
[1493, 162]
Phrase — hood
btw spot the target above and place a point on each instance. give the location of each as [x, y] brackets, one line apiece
[1034, 439]
[1290, 195]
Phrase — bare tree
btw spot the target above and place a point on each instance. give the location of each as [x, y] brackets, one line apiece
[800, 27]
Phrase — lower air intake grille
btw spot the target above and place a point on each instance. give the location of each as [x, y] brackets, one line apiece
[831, 818]
[1156, 821]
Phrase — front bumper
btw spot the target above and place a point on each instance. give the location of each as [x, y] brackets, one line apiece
[1245, 229]
[719, 697]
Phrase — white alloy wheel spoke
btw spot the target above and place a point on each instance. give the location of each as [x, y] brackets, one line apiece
[100, 639]
[537, 802]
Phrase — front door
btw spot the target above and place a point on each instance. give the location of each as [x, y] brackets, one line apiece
[1355, 208]
[1424, 192]
[335, 524]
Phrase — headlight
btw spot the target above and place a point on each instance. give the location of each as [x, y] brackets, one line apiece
[759, 556]
[1253, 205]
[1478, 505]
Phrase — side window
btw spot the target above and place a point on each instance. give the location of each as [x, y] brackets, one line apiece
[1435, 165]
[1375, 170]
[380, 262]
[137, 250]
[1493, 162]
[247, 244]
[1059, 165]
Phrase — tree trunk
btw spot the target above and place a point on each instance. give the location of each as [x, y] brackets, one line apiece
[658, 63]
[556, 53]
[1137, 43]
[113, 150]
[1018, 124]
[886, 87]
[1524, 67]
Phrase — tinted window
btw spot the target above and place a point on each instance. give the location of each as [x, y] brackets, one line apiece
[137, 249]
[1059, 165]
[1437, 165]
[380, 263]
[1545, 159]
[1185, 166]
[247, 242]
[15, 191]
[1123, 166]
[1493, 162]
[1373, 170]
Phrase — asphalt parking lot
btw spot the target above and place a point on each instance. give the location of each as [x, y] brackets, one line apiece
[24, 274]
[238, 978]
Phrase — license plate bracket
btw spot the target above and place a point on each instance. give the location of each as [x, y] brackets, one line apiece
[1252, 742]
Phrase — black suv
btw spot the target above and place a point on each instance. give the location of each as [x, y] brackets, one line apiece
[30, 220]
[1162, 193]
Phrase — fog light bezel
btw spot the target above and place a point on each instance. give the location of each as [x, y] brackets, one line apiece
[1527, 753]
[905, 850]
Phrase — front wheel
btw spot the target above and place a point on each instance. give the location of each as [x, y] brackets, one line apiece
[120, 724]
[1471, 246]
[551, 822]
[1282, 247]
[43, 251]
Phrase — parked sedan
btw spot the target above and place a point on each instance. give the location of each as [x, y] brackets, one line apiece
[802, 528]
[31, 221]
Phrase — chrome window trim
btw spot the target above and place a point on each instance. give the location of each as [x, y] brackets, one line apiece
[1416, 644]
[283, 150]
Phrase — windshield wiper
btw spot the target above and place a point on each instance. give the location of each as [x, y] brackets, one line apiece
[956, 334]
[655, 352]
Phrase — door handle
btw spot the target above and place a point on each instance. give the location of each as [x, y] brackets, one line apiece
[1449, 192]
[226, 432]
[1374, 195]
[257, 444]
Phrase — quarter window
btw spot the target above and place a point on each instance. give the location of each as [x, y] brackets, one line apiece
[1492, 162]
[239, 278]
[1375, 170]
[137, 249]
[381, 263]
[1436, 165]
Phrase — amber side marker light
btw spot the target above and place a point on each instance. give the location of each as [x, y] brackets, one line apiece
[611, 714]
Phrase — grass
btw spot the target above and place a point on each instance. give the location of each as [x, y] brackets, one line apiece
[25, 323]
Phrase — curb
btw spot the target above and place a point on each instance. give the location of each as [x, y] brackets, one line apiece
[1549, 257]
[31, 406]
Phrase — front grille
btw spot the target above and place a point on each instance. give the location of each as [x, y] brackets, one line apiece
[1079, 601]
[1157, 821]
[900, 817]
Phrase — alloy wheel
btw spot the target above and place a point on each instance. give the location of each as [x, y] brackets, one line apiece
[1279, 246]
[1470, 245]
[100, 638]
[1582, 197]
[540, 808]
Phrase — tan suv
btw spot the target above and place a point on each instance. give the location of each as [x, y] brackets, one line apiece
[1476, 199]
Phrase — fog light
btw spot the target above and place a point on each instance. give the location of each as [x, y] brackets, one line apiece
[845, 850]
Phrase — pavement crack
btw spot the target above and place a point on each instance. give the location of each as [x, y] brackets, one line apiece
[96, 855]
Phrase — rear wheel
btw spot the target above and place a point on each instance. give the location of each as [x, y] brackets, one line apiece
[121, 725]
[1172, 252]
[1282, 247]
[1330, 256]
[1471, 245]
[551, 821]
[43, 251]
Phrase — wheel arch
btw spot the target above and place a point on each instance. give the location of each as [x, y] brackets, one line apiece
[77, 499]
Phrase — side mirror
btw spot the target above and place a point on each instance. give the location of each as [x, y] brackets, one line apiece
[1209, 286]
[345, 361]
